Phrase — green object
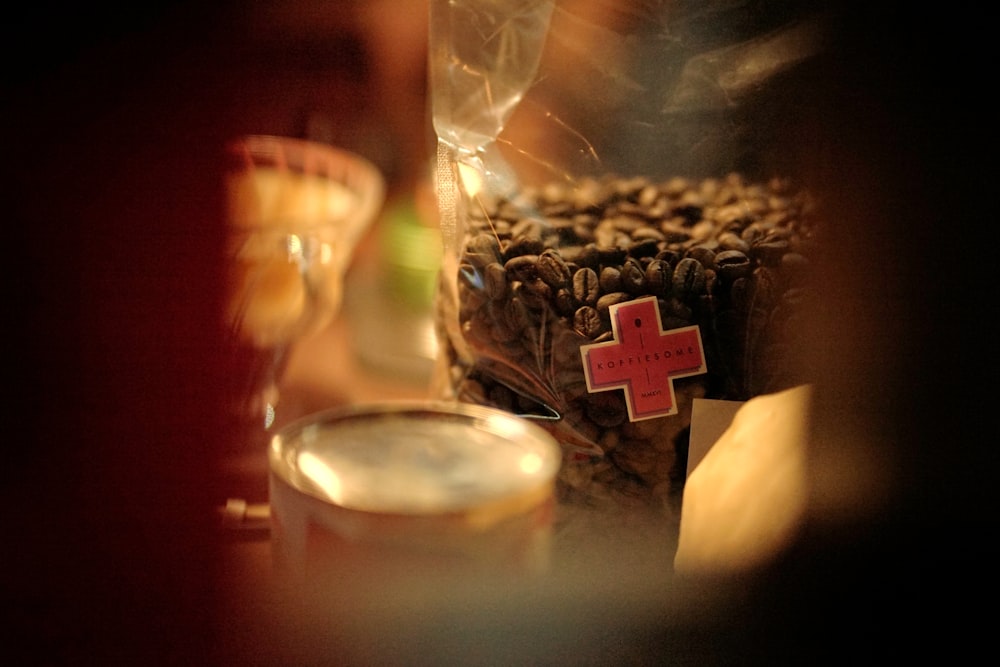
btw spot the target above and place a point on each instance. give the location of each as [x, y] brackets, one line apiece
[411, 252]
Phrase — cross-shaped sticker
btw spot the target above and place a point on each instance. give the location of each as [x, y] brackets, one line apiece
[643, 359]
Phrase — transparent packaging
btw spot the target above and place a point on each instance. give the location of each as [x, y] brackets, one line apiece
[625, 221]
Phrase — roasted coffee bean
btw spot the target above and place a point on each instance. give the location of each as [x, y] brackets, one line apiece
[658, 278]
[589, 256]
[732, 264]
[676, 186]
[689, 278]
[704, 254]
[632, 276]
[732, 241]
[669, 255]
[552, 269]
[674, 231]
[523, 245]
[690, 213]
[732, 215]
[647, 240]
[610, 279]
[612, 256]
[647, 196]
[607, 236]
[702, 231]
[677, 308]
[587, 321]
[770, 251]
[645, 248]
[751, 234]
[529, 229]
[522, 267]
[629, 224]
[586, 286]
[583, 227]
[605, 302]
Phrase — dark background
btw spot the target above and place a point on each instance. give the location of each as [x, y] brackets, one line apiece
[115, 374]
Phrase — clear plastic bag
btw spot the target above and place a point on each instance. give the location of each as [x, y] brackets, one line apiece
[623, 227]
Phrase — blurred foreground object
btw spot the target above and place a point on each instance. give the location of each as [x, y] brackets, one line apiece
[381, 494]
[297, 210]
[744, 501]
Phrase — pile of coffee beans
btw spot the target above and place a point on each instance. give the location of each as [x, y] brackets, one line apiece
[539, 272]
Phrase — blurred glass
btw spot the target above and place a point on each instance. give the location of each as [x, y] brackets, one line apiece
[297, 210]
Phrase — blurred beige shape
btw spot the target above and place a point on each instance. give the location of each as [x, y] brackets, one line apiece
[297, 210]
[744, 502]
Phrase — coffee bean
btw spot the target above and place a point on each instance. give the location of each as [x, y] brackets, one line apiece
[522, 267]
[769, 251]
[587, 321]
[703, 254]
[611, 256]
[632, 276]
[551, 268]
[674, 231]
[605, 302]
[523, 245]
[657, 278]
[610, 279]
[732, 264]
[586, 286]
[732, 241]
[688, 279]
[645, 247]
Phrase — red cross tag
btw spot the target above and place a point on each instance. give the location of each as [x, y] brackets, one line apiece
[643, 359]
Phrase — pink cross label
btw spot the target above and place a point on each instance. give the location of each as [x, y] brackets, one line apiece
[643, 359]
